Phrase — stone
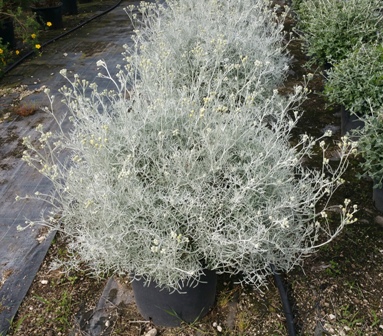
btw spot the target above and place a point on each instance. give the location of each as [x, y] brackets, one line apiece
[151, 332]
[379, 220]
[320, 330]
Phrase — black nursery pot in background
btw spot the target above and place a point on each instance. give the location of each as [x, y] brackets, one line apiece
[7, 32]
[169, 309]
[69, 7]
[377, 196]
[349, 121]
[49, 14]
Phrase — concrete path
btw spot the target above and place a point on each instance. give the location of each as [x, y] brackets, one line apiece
[21, 253]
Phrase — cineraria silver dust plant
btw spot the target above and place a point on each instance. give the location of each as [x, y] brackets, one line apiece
[164, 188]
[184, 176]
[236, 46]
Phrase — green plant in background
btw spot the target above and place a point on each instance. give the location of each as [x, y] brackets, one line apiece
[370, 145]
[16, 325]
[60, 308]
[349, 316]
[332, 28]
[169, 182]
[5, 54]
[357, 81]
[375, 318]
[242, 322]
[26, 30]
[295, 4]
[333, 269]
[10, 5]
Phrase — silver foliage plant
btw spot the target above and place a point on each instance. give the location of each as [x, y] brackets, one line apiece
[236, 46]
[168, 182]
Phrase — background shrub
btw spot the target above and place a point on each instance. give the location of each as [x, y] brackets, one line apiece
[357, 81]
[332, 28]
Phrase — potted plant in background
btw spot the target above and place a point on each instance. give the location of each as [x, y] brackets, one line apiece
[170, 188]
[48, 13]
[330, 29]
[356, 83]
[18, 29]
[7, 31]
[69, 7]
[370, 146]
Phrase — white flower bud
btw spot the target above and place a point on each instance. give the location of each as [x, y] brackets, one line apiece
[101, 63]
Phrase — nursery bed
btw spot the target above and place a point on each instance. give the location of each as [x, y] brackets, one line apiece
[337, 292]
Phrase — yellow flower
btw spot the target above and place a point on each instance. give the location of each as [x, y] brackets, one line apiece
[17, 52]
[49, 24]
[1, 51]
[33, 36]
[37, 46]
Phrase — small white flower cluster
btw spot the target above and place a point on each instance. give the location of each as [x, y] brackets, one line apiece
[174, 244]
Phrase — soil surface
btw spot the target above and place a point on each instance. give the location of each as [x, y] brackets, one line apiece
[336, 292]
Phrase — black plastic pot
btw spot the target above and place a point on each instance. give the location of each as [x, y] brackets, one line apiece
[326, 69]
[377, 196]
[349, 121]
[7, 32]
[49, 14]
[69, 7]
[169, 309]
